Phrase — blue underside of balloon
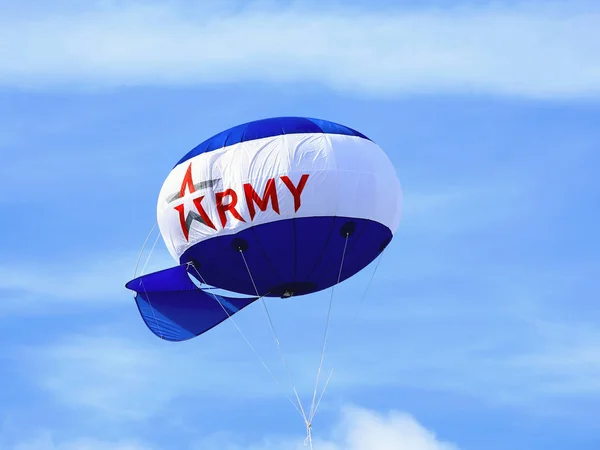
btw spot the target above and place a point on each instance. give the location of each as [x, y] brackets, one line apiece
[303, 250]
[275, 126]
[284, 258]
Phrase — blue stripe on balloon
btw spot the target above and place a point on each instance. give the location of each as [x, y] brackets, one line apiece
[263, 128]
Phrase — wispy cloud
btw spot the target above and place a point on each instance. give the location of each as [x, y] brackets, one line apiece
[45, 441]
[109, 372]
[534, 49]
[538, 366]
[357, 429]
[92, 280]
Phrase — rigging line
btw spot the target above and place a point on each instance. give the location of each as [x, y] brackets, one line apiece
[323, 392]
[308, 441]
[150, 254]
[248, 342]
[274, 333]
[364, 296]
[358, 307]
[142, 250]
[312, 412]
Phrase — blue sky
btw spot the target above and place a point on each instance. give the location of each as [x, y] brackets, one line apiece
[480, 329]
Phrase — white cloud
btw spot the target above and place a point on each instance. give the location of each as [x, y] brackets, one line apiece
[363, 429]
[358, 429]
[535, 49]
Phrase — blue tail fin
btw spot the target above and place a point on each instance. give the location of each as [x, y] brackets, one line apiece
[175, 309]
